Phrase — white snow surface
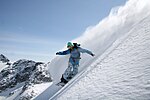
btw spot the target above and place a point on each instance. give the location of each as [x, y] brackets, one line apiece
[2, 98]
[35, 90]
[124, 74]
[2, 66]
[131, 18]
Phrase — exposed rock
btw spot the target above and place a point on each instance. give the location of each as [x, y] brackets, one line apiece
[4, 59]
[27, 71]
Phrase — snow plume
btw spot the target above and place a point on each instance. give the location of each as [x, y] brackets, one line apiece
[116, 24]
[101, 36]
[119, 22]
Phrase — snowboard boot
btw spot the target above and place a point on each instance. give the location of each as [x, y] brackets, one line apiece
[63, 80]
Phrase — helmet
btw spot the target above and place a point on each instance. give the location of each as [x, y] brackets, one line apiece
[69, 44]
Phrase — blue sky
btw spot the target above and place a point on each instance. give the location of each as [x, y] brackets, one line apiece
[37, 29]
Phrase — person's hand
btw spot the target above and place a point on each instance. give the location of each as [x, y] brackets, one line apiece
[92, 54]
[57, 53]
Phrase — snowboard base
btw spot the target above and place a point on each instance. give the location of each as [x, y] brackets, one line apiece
[60, 84]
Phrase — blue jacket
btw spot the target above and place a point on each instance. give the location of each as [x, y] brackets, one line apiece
[75, 53]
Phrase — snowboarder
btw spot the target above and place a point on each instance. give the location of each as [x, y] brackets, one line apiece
[74, 50]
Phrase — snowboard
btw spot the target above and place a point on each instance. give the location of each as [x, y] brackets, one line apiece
[60, 84]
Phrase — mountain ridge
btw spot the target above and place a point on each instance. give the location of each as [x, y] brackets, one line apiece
[26, 72]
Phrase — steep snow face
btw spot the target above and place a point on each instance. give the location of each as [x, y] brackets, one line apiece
[124, 74]
[100, 37]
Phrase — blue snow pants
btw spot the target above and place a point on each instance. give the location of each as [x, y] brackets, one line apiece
[72, 69]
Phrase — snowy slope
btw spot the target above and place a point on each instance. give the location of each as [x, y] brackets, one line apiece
[99, 38]
[124, 74]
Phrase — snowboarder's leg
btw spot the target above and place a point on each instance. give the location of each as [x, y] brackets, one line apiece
[71, 71]
[67, 73]
[75, 68]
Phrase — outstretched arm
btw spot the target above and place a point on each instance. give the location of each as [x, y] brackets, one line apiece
[63, 52]
[85, 51]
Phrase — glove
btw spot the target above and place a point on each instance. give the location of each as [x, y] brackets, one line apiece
[92, 54]
[57, 53]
